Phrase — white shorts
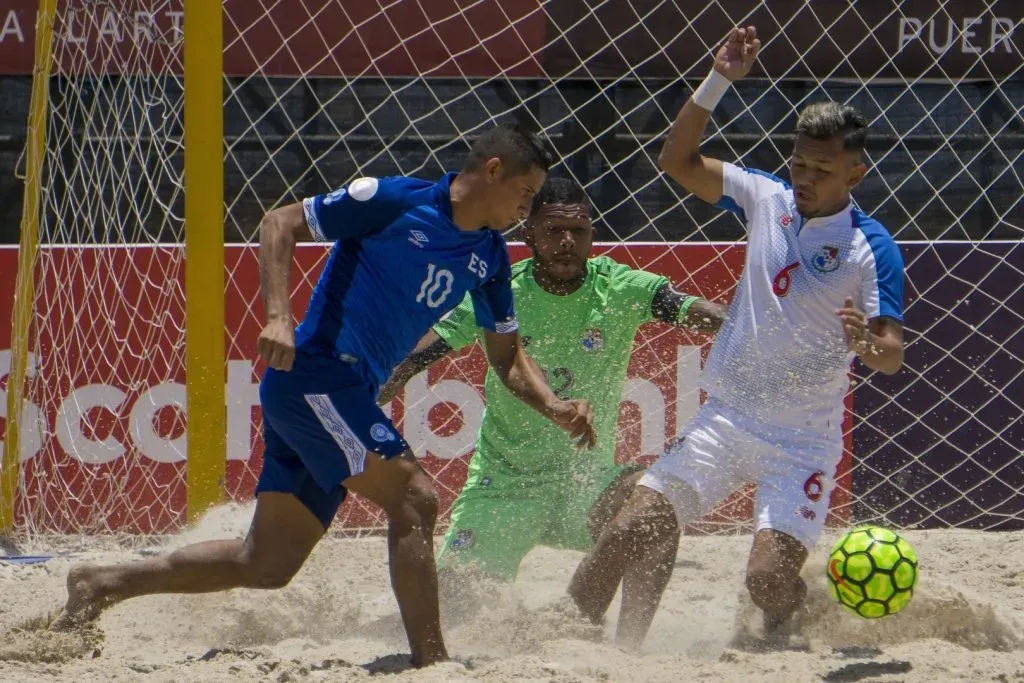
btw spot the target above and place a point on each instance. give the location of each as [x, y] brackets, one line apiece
[719, 452]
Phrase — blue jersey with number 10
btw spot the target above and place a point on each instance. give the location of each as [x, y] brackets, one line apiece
[398, 265]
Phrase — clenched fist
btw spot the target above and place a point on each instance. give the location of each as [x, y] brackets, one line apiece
[276, 344]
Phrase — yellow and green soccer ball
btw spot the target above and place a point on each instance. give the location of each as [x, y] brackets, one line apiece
[872, 572]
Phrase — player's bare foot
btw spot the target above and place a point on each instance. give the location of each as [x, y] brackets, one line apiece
[84, 603]
[436, 656]
[568, 606]
[780, 631]
[570, 620]
[777, 631]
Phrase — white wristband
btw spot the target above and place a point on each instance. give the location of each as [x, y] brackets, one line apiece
[710, 91]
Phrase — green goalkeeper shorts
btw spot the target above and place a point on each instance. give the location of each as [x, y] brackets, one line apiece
[495, 524]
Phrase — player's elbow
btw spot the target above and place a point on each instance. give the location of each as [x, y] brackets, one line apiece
[895, 364]
[688, 170]
[889, 363]
[678, 167]
[503, 360]
[271, 227]
[286, 223]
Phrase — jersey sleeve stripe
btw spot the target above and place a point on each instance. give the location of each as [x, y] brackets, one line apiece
[887, 264]
[309, 209]
[765, 174]
[731, 205]
[743, 187]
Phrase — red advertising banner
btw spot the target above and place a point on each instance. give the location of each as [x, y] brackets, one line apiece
[105, 428]
[295, 37]
[516, 38]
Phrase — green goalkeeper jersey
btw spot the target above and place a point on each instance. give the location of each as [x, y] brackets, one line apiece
[582, 342]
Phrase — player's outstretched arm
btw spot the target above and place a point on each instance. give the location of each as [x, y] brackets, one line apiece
[521, 376]
[680, 157]
[683, 310]
[280, 231]
[428, 351]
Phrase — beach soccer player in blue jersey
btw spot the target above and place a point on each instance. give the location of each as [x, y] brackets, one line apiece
[405, 252]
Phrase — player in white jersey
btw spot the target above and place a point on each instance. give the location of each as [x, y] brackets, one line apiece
[822, 283]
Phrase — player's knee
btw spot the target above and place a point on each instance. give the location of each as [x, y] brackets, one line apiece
[272, 579]
[660, 526]
[268, 575]
[420, 506]
[266, 572]
[599, 517]
[619, 534]
[425, 502]
[611, 500]
[636, 533]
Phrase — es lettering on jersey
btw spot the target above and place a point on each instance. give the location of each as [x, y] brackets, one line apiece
[781, 355]
[398, 264]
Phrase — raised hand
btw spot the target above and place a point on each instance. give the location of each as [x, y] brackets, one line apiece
[737, 55]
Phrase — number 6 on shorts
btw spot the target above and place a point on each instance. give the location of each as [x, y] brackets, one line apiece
[814, 487]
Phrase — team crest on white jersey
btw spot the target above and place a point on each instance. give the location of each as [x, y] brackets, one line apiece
[826, 260]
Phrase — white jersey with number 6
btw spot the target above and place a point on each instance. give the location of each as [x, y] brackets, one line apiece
[781, 356]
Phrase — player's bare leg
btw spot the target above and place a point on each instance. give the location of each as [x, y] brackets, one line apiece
[644, 581]
[404, 491]
[598, 575]
[643, 584]
[773, 578]
[634, 542]
[282, 534]
[612, 499]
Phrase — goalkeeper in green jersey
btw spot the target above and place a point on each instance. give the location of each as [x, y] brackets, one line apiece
[578, 316]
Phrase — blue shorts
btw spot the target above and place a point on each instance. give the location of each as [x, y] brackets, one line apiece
[319, 421]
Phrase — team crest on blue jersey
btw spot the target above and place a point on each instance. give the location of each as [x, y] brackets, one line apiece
[334, 196]
[826, 260]
[592, 340]
[463, 539]
[380, 433]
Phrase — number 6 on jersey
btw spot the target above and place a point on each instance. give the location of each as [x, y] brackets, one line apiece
[436, 280]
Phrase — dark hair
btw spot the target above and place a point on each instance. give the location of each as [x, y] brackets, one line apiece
[825, 120]
[518, 149]
[559, 190]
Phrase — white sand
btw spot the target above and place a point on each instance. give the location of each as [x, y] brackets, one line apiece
[338, 622]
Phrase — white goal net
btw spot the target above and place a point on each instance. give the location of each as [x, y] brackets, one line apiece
[318, 92]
